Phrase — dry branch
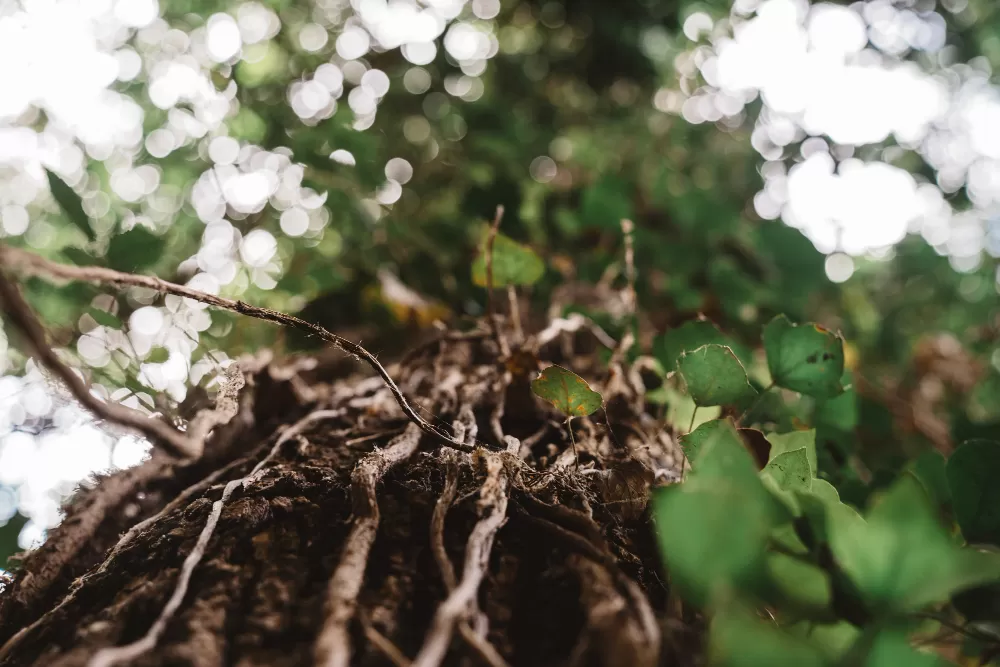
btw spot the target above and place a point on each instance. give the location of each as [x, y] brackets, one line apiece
[27, 264]
[333, 645]
[20, 314]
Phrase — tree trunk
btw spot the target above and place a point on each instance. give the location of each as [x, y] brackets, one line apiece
[322, 527]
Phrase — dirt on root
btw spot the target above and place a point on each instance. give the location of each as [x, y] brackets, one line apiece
[360, 540]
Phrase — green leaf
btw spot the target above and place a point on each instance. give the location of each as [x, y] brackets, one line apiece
[973, 473]
[808, 358]
[929, 468]
[714, 528]
[104, 318]
[157, 355]
[689, 337]
[513, 264]
[901, 559]
[799, 584]
[693, 441]
[79, 257]
[789, 442]
[714, 376]
[567, 391]
[739, 639]
[893, 649]
[135, 250]
[70, 204]
[825, 491]
[790, 470]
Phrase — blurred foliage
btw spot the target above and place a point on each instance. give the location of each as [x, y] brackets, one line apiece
[564, 137]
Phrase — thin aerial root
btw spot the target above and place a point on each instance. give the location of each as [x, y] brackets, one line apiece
[107, 657]
[460, 602]
[29, 264]
[484, 650]
[333, 645]
[490, 306]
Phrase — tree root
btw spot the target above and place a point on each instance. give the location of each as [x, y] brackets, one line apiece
[333, 645]
[108, 657]
[460, 602]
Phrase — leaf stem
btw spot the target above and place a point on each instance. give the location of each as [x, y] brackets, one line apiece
[756, 402]
[569, 427]
[693, 413]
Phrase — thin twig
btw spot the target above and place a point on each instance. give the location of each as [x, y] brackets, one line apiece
[490, 306]
[26, 263]
[107, 657]
[333, 645]
[631, 300]
[515, 314]
[23, 318]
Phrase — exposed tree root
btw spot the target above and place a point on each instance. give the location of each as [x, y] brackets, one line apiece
[337, 543]
[460, 602]
[333, 645]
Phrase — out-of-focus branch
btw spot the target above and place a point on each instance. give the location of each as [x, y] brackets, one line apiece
[25, 263]
[20, 314]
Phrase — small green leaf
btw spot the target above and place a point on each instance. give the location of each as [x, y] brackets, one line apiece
[689, 337]
[893, 649]
[157, 355]
[737, 638]
[134, 250]
[930, 469]
[104, 318]
[567, 391]
[714, 528]
[70, 203]
[693, 441]
[790, 470]
[714, 376]
[901, 559]
[825, 491]
[789, 442]
[513, 264]
[799, 584]
[808, 358]
[973, 472]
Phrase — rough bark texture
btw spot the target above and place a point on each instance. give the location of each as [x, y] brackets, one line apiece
[335, 533]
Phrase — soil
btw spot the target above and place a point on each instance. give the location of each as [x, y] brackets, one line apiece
[322, 527]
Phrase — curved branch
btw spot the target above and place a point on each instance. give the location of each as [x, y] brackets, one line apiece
[20, 314]
[27, 263]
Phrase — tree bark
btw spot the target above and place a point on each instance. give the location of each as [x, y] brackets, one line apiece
[322, 527]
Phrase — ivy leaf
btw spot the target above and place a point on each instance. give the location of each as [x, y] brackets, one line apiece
[931, 469]
[104, 318]
[157, 355]
[714, 528]
[690, 336]
[973, 471]
[567, 391]
[135, 250]
[901, 559]
[692, 442]
[70, 203]
[893, 648]
[714, 376]
[790, 470]
[808, 358]
[513, 264]
[789, 442]
[737, 638]
[801, 585]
